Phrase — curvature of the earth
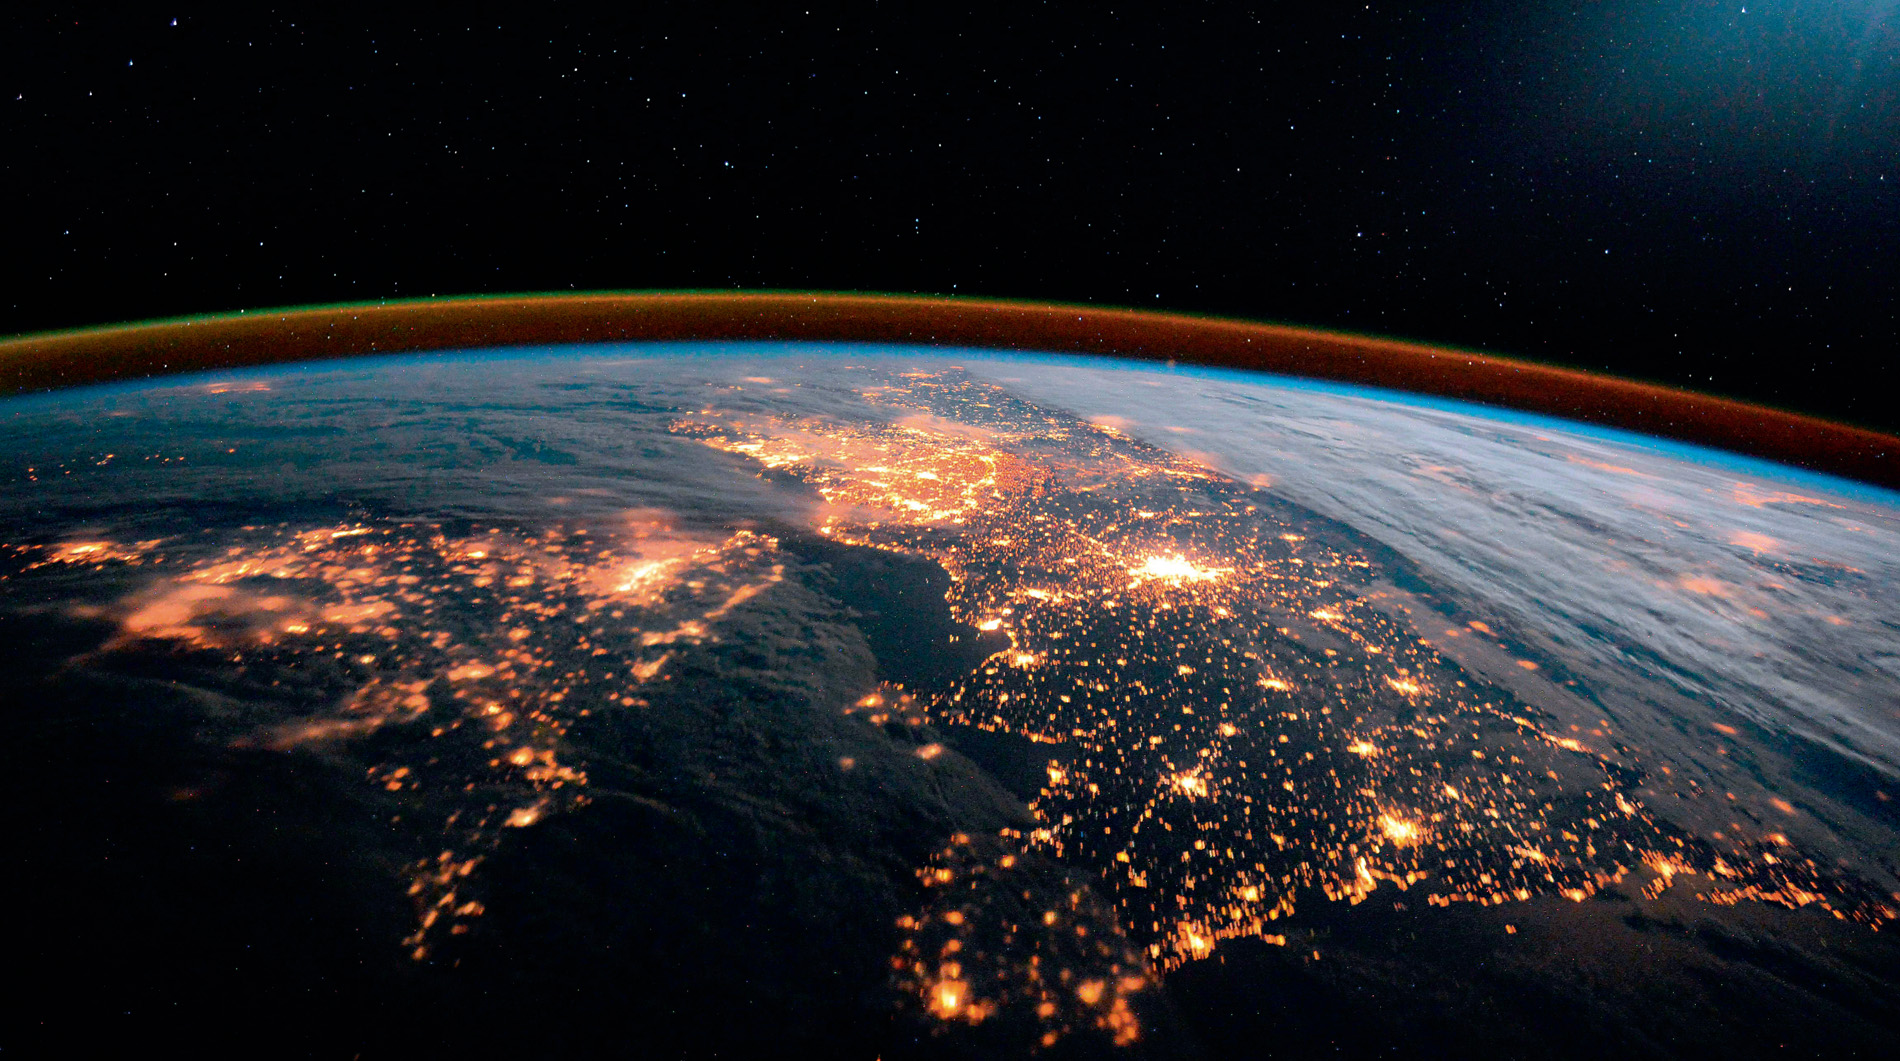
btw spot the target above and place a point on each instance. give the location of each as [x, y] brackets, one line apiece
[739, 699]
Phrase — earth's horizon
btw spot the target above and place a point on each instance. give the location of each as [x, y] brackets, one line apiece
[278, 335]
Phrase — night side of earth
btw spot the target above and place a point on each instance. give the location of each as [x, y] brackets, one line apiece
[730, 699]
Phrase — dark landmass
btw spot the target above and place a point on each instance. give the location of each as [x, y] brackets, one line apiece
[1616, 976]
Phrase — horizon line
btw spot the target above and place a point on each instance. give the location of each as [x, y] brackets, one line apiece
[243, 338]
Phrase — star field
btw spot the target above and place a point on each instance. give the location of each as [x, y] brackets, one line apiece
[1682, 192]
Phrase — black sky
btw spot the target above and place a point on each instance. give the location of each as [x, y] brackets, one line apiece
[1696, 192]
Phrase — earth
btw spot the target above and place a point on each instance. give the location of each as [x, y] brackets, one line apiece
[755, 699]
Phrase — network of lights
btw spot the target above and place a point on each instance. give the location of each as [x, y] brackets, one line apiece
[486, 647]
[1242, 732]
